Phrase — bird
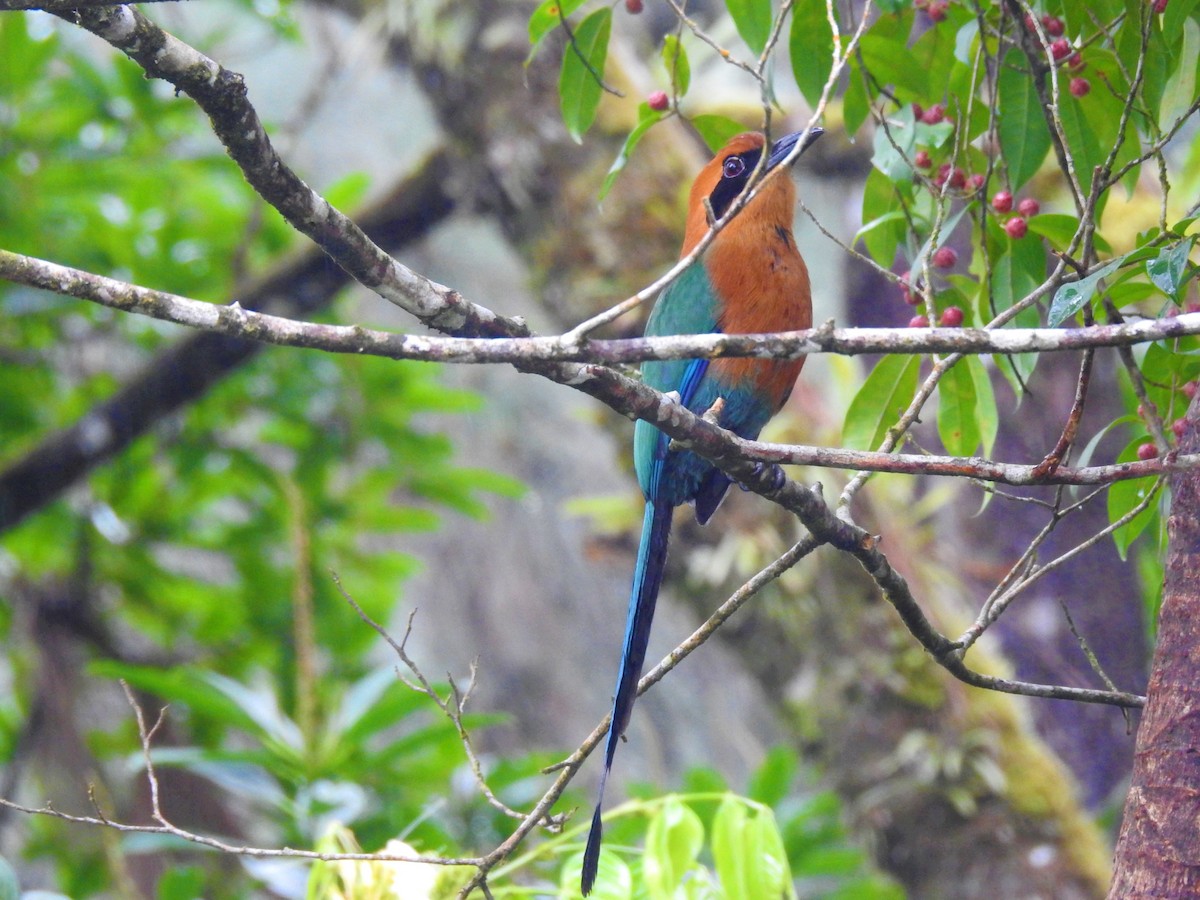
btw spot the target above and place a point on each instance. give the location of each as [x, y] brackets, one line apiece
[750, 279]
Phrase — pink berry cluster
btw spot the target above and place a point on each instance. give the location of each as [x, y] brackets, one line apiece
[1062, 52]
[935, 9]
[1147, 450]
[951, 316]
[947, 175]
[1015, 226]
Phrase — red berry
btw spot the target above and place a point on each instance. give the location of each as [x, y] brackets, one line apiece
[1016, 227]
[957, 179]
[1178, 427]
[944, 257]
[936, 10]
[1061, 48]
[1080, 87]
[952, 317]
[1030, 25]
[1160, 6]
[1002, 201]
[918, 111]
[633, 7]
[1029, 207]
[918, 322]
[658, 101]
[1075, 62]
[1189, 389]
[1147, 451]
[934, 114]
[1053, 25]
[922, 160]
[975, 182]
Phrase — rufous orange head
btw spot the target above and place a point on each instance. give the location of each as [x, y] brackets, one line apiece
[727, 174]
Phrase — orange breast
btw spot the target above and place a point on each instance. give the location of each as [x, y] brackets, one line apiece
[756, 269]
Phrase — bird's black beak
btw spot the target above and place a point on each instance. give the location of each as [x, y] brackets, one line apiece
[784, 145]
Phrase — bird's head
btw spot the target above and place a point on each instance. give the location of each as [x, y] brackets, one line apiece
[727, 174]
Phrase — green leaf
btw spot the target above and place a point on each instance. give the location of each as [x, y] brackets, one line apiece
[772, 781]
[768, 874]
[885, 224]
[964, 40]
[675, 61]
[1024, 136]
[673, 843]
[894, 146]
[890, 62]
[729, 827]
[810, 45]
[646, 118]
[579, 82]
[958, 425]
[753, 20]
[856, 105]
[547, 17]
[1167, 269]
[1059, 229]
[987, 416]
[1070, 298]
[1180, 89]
[716, 130]
[886, 393]
[1020, 269]
[613, 878]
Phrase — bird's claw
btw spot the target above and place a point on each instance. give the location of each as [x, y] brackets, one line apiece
[772, 471]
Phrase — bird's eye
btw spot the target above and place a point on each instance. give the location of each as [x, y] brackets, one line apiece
[734, 166]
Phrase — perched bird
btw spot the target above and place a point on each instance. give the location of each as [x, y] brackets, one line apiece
[750, 279]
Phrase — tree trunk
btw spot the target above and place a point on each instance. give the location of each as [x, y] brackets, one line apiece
[1158, 852]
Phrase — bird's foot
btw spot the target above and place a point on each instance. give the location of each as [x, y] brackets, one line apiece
[770, 470]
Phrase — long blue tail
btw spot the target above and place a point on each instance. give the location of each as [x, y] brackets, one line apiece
[647, 576]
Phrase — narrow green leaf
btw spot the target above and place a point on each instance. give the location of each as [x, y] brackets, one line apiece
[579, 82]
[1166, 270]
[810, 45]
[753, 21]
[675, 61]
[856, 105]
[716, 130]
[987, 417]
[1180, 89]
[646, 118]
[673, 843]
[886, 225]
[957, 424]
[879, 402]
[1024, 137]
[1070, 298]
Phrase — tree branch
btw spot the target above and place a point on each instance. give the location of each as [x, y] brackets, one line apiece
[236, 321]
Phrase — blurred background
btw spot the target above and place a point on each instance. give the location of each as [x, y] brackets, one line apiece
[173, 504]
